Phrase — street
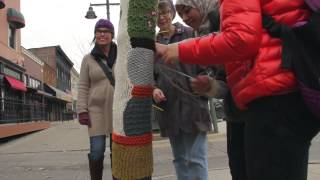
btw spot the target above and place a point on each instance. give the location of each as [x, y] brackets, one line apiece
[59, 153]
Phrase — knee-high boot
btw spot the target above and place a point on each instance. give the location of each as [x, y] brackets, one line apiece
[96, 168]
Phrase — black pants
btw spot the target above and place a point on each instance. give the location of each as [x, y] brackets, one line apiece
[273, 142]
[235, 147]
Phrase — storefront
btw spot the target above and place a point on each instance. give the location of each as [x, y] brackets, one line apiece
[57, 104]
[64, 101]
[12, 90]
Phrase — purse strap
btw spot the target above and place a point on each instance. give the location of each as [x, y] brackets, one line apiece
[106, 70]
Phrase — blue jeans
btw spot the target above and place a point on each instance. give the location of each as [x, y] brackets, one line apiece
[190, 156]
[97, 147]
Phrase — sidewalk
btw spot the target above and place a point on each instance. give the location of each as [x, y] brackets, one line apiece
[59, 153]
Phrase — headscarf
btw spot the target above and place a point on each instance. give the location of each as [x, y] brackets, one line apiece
[204, 7]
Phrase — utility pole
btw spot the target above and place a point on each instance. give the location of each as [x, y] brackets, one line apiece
[107, 4]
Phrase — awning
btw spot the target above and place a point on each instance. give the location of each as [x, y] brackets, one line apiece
[44, 93]
[47, 89]
[15, 18]
[61, 94]
[2, 4]
[16, 84]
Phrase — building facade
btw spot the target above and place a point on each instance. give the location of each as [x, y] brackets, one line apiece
[57, 81]
[34, 97]
[12, 78]
[74, 90]
[35, 86]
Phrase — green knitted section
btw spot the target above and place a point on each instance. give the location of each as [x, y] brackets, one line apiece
[142, 18]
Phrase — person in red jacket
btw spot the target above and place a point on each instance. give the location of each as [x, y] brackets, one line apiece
[278, 127]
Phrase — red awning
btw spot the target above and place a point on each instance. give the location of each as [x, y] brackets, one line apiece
[16, 84]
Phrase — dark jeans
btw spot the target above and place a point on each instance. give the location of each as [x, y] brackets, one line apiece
[276, 138]
[97, 147]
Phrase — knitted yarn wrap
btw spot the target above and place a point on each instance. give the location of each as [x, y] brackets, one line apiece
[132, 157]
[142, 18]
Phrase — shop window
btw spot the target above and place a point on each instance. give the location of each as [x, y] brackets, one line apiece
[11, 73]
[24, 78]
[34, 83]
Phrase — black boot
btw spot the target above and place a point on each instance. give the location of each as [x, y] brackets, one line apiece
[96, 168]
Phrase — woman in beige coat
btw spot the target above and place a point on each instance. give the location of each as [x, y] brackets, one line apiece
[95, 94]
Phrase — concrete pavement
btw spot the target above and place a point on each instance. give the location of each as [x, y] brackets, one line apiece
[59, 153]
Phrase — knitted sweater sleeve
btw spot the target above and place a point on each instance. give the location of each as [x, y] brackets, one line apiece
[239, 39]
[83, 87]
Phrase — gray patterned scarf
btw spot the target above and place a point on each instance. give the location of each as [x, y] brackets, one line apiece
[204, 7]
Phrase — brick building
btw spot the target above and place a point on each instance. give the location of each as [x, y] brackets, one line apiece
[74, 90]
[17, 116]
[34, 97]
[57, 81]
[12, 77]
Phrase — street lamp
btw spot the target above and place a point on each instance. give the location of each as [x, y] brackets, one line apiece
[92, 15]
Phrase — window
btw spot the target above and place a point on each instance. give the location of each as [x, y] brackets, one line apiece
[24, 78]
[12, 73]
[12, 37]
[34, 83]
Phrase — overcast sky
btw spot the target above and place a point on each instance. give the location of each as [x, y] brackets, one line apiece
[62, 22]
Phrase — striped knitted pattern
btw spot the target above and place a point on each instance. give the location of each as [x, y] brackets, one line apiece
[132, 138]
[140, 66]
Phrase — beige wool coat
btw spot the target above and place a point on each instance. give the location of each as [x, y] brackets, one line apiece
[95, 96]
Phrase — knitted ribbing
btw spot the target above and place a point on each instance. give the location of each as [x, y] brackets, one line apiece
[142, 18]
[140, 140]
[143, 43]
[132, 162]
[142, 91]
[137, 117]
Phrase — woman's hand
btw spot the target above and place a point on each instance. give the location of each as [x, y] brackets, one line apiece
[158, 95]
[200, 84]
[169, 53]
[84, 119]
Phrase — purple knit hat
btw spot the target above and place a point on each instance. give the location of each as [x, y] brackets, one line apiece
[104, 23]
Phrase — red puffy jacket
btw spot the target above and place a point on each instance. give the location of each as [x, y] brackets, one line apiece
[251, 57]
